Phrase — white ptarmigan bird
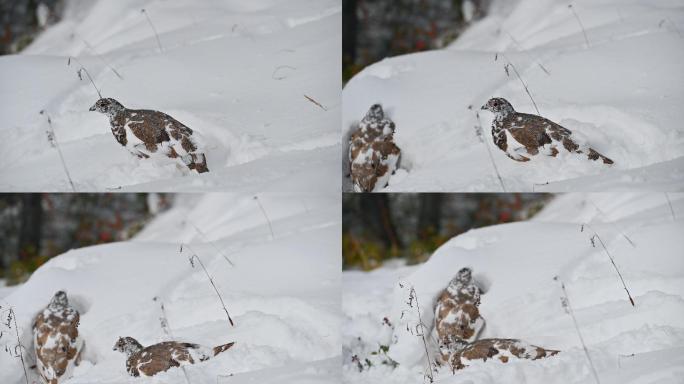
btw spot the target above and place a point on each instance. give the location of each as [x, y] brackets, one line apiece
[533, 133]
[144, 132]
[148, 361]
[373, 155]
[56, 340]
[457, 317]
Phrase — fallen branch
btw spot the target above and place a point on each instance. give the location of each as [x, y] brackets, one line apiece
[565, 302]
[316, 102]
[195, 257]
[52, 139]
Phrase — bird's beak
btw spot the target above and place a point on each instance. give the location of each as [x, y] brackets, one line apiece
[484, 107]
[92, 108]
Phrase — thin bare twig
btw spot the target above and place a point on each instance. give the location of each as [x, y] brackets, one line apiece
[80, 74]
[161, 50]
[19, 346]
[527, 90]
[521, 49]
[614, 225]
[420, 329]
[480, 134]
[212, 244]
[605, 249]
[90, 47]
[164, 323]
[538, 185]
[195, 257]
[316, 102]
[670, 204]
[565, 302]
[52, 138]
[270, 227]
[580, 24]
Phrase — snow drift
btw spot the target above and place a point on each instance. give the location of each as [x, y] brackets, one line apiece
[282, 292]
[621, 93]
[516, 264]
[235, 72]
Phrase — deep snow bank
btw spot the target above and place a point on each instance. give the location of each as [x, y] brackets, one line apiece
[622, 94]
[235, 72]
[516, 264]
[282, 293]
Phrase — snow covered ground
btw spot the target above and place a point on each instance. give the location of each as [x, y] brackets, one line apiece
[516, 264]
[235, 71]
[283, 293]
[622, 93]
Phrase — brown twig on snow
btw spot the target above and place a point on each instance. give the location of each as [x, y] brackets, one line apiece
[90, 47]
[670, 204]
[211, 280]
[605, 249]
[316, 102]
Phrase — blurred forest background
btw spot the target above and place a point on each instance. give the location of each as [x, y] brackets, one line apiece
[375, 29]
[378, 227]
[38, 226]
[22, 20]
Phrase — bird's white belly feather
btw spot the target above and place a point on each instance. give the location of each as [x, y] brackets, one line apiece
[512, 142]
[131, 139]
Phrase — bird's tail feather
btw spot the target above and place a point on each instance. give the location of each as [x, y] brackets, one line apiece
[593, 155]
[221, 348]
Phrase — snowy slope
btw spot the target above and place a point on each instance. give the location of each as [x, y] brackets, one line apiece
[622, 94]
[516, 263]
[282, 293]
[236, 72]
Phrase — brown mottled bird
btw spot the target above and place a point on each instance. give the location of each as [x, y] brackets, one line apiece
[532, 133]
[457, 317]
[144, 131]
[56, 340]
[373, 155]
[160, 357]
[502, 349]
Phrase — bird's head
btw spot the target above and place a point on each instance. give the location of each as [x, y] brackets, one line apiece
[59, 300]
[375, 113]
[498, 105]
[108, 106]
[127, 345]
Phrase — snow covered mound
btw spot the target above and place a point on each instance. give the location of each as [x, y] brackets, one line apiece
[621, 93]
[282, 293]
[515, 265]
[238, 73]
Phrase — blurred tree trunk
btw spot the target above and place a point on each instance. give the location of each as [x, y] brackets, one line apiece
[379, 219]
[349, 30]
[429, 215]
[30, 230]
